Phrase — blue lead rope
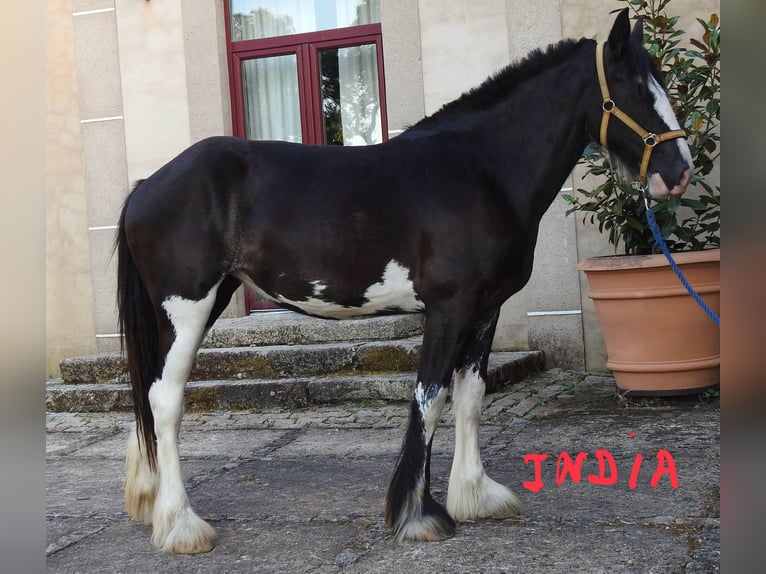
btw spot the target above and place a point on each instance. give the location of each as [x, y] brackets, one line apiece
[661, 242]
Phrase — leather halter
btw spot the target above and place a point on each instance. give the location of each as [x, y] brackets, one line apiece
[610, 108]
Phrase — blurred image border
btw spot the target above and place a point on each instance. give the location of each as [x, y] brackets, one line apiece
[22, 239]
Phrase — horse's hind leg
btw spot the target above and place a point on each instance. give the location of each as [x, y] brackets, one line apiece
[142, 482]
[176, 527]
[472, 494]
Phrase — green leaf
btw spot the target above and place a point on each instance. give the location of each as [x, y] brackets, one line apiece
[693, 204]
[635, 224]
[699, 44]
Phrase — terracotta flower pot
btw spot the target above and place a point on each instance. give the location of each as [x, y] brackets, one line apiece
[658, 340]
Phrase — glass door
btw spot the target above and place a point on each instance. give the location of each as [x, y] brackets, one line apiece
[350, 95]
[271, 100]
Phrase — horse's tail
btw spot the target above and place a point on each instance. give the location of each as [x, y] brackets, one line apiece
[140, 342]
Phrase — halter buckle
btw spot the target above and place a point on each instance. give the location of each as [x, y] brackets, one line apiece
[607, 105]
[651, 140]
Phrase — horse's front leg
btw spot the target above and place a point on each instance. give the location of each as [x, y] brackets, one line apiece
[472, 494]
[410, 510]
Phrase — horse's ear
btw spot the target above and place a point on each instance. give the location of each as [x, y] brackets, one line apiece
[638, 30]
[620, 34]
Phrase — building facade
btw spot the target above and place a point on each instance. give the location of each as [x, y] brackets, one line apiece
[131, 83]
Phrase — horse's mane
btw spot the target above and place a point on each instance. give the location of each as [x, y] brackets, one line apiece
[500, 84]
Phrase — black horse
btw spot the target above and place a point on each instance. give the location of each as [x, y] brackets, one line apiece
[442, 220]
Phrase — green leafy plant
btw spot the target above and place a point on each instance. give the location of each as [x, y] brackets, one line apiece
[691, 68]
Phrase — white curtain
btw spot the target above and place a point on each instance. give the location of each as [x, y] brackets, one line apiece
[253, 19]
[272, 104]
[359, 95]
[356, 12]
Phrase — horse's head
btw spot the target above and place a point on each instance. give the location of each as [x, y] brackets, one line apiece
[637, 124]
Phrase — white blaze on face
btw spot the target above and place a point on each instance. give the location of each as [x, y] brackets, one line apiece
[665, 111]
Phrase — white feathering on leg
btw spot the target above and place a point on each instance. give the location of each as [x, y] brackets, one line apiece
[140, 482]
[472, 494]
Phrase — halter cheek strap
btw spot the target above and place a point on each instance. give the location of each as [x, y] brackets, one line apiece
[610, 108]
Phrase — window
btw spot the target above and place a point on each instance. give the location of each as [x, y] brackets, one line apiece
[306, 71]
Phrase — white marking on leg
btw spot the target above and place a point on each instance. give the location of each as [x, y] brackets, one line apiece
[431, 405]
[412, 523]
[176, 527]
[471, 493]
[141, 483]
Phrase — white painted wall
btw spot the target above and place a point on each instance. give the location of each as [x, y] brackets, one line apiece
[153, 72]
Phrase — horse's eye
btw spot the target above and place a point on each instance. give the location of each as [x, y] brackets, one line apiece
[641, 87]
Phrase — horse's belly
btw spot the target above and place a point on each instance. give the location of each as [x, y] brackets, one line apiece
[393, 293]
[394, 303]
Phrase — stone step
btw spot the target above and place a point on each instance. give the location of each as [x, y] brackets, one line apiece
[289, 328]
[272, 362]
[288, 392]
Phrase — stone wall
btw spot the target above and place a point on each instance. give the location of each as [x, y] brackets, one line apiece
[68, 289]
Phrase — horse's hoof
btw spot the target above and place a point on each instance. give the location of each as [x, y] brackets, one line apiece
[484, 499]
[426, 529]
[424, 521]
[188, 535]
[196, 547]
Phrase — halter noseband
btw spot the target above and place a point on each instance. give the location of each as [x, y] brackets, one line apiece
[609, 108]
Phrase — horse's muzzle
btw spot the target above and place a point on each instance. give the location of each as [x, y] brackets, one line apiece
[658, 189]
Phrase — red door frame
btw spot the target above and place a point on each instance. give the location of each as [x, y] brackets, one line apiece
[237, 94]
[345, 42]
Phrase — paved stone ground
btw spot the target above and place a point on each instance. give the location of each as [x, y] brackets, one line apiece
[302, 490]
